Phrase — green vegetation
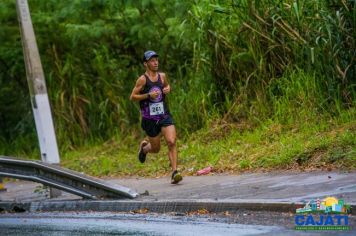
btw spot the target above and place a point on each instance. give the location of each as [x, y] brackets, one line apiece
[231, 148]
[256, 84]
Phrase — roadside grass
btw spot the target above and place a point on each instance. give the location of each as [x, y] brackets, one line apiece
[323, 143]
[311, 146]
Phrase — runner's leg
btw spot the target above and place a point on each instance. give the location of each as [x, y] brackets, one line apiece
[169, 133]
[154, 144]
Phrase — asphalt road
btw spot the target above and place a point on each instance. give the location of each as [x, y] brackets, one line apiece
[287, 187]
[194, 223]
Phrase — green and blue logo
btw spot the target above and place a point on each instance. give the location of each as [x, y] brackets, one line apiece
[327, 214]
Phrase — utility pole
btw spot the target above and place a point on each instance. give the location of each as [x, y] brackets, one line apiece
[38, 91]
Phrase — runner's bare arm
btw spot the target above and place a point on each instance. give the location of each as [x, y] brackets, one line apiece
[136, 95]
[166, 86]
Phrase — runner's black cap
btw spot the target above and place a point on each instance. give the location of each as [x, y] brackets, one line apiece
[148, 55]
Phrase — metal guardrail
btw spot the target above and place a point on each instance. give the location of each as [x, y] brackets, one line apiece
[61, 178]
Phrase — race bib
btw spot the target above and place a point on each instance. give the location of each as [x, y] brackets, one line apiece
[156, 108]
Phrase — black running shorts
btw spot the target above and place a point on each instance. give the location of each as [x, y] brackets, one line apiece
[153, 128]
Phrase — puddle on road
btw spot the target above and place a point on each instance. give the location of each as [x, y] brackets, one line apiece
[113, 225]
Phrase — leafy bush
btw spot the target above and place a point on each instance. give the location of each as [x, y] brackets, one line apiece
[230, 60]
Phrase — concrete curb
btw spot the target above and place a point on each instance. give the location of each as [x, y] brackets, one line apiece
[155, 206]
[179, 206]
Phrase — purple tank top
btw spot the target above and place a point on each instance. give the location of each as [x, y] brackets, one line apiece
[154, 109]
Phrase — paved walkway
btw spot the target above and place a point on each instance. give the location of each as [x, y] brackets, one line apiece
[264, 188]
[276, 187]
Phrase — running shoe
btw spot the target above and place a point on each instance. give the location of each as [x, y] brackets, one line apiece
[176, 177]
[141, 154]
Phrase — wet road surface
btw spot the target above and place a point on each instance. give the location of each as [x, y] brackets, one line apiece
[93, 223]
